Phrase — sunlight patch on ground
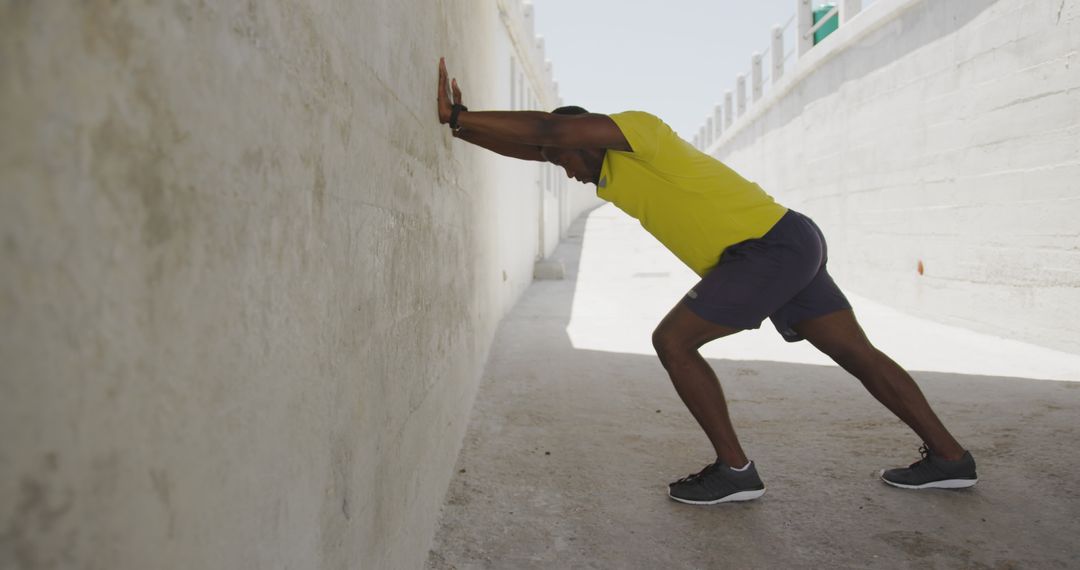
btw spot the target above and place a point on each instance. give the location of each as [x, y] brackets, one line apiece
[627, 282]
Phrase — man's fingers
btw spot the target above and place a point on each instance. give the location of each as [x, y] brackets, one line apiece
[457, 92]
[444, 90]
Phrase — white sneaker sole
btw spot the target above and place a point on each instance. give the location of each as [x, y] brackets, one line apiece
[732, 498]
[943, 484]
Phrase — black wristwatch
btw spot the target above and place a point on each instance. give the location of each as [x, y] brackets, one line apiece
[454, 110]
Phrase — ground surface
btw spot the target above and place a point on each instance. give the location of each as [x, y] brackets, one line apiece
[576, 431]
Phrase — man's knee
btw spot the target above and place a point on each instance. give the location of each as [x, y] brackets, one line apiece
[661, 339]
[682, 333]
[668, 344]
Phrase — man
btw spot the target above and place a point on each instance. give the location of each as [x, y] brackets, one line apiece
[757, 259]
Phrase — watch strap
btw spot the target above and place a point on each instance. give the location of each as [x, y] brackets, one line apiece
[454, 110]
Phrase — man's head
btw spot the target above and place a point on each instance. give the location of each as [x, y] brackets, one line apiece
[579, 163]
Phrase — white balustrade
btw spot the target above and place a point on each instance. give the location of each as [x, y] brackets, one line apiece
[740, 95]
[729, 109]
[735, 104]
[804, 16]
[849, 9]
[528, 16]
[776, 48]
[755, 77]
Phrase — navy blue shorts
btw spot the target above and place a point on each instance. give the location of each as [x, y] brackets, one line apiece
[780, 275]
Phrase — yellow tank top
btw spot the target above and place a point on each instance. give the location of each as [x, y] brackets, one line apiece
[694, 204]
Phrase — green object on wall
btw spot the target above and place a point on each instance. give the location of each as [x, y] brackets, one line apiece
[827, 28]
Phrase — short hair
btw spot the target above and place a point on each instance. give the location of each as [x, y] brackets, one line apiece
[569, 110]
[566, 110]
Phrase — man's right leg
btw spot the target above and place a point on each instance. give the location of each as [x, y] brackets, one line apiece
[945, 463]
[839, 336]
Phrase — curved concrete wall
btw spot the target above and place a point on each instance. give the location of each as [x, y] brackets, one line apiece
[247, 282]
[944, 135]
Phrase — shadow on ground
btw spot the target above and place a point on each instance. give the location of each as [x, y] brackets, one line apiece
[568, 453]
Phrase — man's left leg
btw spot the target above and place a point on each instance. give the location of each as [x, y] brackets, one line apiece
[839, 336]
[677, 340]
[731, 477]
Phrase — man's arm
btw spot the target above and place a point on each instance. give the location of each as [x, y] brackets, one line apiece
[529, 128]
[536, 128]
[519, 151]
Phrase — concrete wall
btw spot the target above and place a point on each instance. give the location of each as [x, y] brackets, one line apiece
[535, 202]
[247, 281]
[945, 134]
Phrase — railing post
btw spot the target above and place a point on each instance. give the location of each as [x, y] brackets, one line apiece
[777, 51]
[697, 141]
[740, 94]
[527, 15]
[755, 77]
[708, 132]
[513, 84]
[803, 22]
[718, 120]
[729, 110]
[849, 9]
[548, 75]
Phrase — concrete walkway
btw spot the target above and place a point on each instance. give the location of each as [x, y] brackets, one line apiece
[576, 431]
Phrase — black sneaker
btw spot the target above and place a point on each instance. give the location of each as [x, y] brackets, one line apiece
[718, 483]
[933, 472]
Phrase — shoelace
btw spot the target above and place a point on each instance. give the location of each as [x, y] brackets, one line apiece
[924, 451]
[694, 476]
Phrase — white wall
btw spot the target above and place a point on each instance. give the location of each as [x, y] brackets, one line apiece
[536, 202]
[940, 132]
[247, 281]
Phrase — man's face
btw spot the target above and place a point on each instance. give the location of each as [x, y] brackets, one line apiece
[571, 160]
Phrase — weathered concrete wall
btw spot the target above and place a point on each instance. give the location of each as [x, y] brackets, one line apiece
[946, 133]
[247, 282]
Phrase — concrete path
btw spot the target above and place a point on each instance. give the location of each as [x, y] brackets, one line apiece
[577, 430]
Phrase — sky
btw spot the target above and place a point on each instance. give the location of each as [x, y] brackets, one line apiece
[672, 58]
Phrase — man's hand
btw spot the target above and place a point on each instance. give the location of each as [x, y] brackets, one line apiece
[444, 93]
[522, 132]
